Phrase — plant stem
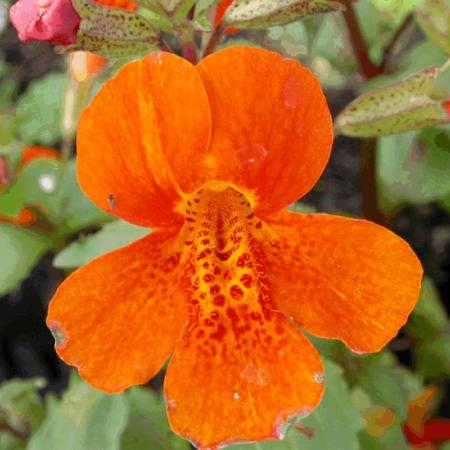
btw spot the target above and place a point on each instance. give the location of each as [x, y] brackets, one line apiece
[186, 37]
[368, 172]
[215, 38]
[189, 51]
[390, 47]
[368, 68]
[368, 146]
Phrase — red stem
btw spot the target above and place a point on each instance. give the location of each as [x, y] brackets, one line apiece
[190, 51]
[214, 40]
[368, 68]
[368, 147]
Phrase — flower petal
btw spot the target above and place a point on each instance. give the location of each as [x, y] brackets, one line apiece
[272, 130]
[142, 141]
[222, 387]
[343, 278]
[118, 318]
[242, 368]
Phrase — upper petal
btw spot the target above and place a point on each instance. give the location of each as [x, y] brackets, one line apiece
[342, 278]
[272, 130]
[118, 317]
[143, 139]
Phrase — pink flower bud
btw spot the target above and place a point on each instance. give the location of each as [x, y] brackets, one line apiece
[55, 21]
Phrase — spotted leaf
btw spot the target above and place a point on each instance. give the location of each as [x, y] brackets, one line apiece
[415, 102]
[113, 32]
[434, 17]
[263, 13]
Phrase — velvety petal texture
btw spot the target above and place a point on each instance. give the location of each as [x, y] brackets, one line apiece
[242, 368]
[342, 278]
[118, 318]
[272, 130]
[142, 141]
[236, 388]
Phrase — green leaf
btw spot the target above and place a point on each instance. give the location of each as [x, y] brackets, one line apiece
[73, 210]
[414, 167]
[429, 316]
[9, 125]
[8, 89]
[20, 404]
[292, 39]
[433, 357]
[21, 249]
[301, 208]
[384, 430]
[263, 13]
[434, 18]
[395, 10]
[52, 188]
[388, 384]
[85, 419]
[113, 32]
[420, 57]
[105, 423]
[148, 427]
[36, 185]
[205, 11]
[392, 439]
[412, 103]
[178, 9]
[111, 237]
[335, 422]
[39, 110]
[9, 442]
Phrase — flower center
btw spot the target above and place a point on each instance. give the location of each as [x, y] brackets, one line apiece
[226, 268]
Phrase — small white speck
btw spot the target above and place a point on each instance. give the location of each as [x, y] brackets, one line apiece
[236, 396]
[171, 403]
[47, 183]
[318, 378]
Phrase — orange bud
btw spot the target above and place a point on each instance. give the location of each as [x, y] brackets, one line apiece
[85, 65]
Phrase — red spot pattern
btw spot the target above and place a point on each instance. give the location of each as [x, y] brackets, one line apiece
[230, 302]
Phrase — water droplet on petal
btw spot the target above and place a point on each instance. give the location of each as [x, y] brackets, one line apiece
[236, 396]
[291, 92]
[252, 157]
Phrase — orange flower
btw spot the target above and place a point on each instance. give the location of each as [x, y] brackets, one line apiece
[26, 216]
[210, 155]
